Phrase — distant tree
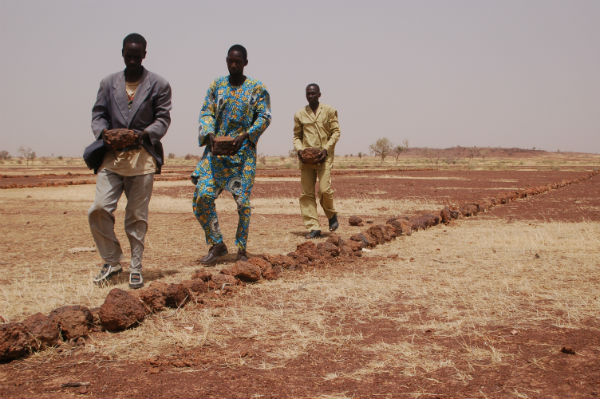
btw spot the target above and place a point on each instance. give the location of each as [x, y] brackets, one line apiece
[293, 153]
[399, 149]
[360, 154]
[171, 155]
[27, 153]
[382, 148]
[4, 155]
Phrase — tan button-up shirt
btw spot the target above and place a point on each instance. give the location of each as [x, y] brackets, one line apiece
[129, 163]
[320, 129]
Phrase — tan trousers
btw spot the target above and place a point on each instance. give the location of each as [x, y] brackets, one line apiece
[308, 203]
[109, 187]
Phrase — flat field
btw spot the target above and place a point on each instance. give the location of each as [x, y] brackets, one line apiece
[502, 304]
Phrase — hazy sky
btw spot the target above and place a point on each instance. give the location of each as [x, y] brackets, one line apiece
[439, 73]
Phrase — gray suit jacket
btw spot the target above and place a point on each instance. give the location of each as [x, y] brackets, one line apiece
[150, 111]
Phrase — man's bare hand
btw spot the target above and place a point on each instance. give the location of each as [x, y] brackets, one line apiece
[300, 156]
[322, 156]
[239, 141]
[211, 141]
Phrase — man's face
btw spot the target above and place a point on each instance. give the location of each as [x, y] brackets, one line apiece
[236, 62]
[133, 54]
[312, 95]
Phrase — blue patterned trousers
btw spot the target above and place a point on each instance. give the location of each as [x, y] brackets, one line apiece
[214, 176]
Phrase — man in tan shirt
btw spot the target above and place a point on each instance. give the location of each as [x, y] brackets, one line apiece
[316, 125]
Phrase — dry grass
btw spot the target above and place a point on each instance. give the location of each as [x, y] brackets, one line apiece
[289, 205]
[461, 283]
[44, 228]
[81, 197]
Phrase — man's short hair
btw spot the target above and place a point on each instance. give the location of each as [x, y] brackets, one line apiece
[240, 48]
[135, 38]
[313, 84]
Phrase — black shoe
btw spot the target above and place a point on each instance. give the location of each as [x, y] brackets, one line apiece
[242, 255]
[214, 253]
[313, 234]
[333, 223]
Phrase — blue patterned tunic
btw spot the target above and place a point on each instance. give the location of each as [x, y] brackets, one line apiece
[229, 111]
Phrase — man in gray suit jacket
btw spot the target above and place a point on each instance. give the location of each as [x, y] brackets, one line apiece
[139, 100]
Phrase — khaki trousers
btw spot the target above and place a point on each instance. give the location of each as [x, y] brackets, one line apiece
[308, 203]
[109, 187]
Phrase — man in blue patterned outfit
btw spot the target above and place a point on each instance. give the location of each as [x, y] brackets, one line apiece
[239, 107]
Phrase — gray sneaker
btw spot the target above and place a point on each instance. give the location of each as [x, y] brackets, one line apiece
[136, 280]
[107, 272]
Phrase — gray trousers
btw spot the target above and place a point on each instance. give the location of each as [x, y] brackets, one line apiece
[109, 187]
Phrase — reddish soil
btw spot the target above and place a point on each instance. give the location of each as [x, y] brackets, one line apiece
[206, 373]
[573, 203]
[442, 186]
[448, 187]
[211, 372]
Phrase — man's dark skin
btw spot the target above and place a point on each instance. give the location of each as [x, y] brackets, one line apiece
[235, 65]
[312, 96]
[133, 55]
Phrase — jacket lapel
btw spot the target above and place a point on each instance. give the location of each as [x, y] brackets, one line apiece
[120, 96]
[311, 115]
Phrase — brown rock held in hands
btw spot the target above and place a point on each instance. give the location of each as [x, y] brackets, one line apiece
[223, 145]
[311, 155]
